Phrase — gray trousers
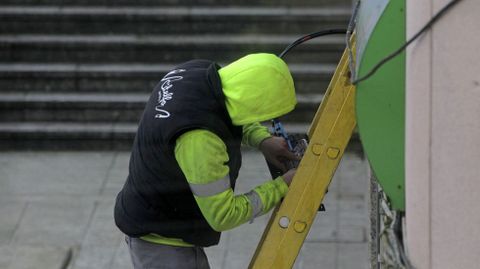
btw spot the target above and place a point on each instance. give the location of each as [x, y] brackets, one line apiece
[146, 255]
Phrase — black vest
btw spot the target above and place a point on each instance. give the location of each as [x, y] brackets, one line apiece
[156, 197]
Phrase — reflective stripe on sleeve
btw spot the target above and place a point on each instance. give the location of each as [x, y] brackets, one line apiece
[255, 202]
[212, 188]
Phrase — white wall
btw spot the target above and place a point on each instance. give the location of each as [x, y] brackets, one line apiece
[443, 136]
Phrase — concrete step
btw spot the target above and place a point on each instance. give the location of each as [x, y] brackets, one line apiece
[162, 48]
[75, 74]
[71, 107]
[125, 77]
[66, 136]
[80, 136]
[170, 20]
[176, 2]
[95, 136]
[33, 107]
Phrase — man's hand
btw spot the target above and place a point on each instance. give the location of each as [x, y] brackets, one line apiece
[275, 150]
[288, 176]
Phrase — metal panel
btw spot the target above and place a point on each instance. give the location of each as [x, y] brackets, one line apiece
[380, 101]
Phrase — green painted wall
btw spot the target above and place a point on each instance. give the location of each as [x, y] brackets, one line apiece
[380, 100]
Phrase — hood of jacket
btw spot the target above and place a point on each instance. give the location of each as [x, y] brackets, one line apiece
[257, 87]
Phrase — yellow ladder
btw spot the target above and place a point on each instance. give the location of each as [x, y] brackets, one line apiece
[329, 134]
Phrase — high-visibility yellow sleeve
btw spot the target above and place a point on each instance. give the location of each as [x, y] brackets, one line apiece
[254, 133]
[202, 156]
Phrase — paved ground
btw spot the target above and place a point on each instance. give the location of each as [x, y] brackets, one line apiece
[56, 212]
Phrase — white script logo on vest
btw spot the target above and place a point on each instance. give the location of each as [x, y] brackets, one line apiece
[164, 94]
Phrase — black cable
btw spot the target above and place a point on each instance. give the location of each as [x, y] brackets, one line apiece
[296, 43]
[404, 46]
[310, 36]
[350, 29]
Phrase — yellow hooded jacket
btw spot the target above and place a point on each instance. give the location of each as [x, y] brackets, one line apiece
[257, 87]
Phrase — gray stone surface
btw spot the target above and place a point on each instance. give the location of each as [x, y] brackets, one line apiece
[56, 209]
[26, 257]
[54, 224]
[14, 210]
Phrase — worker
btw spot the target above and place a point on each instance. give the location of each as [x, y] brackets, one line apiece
[185, 159]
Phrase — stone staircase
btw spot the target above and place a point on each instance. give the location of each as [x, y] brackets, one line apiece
[75, 74]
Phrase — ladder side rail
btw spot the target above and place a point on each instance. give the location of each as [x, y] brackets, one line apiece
[335, 120]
